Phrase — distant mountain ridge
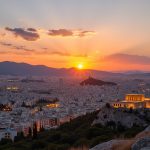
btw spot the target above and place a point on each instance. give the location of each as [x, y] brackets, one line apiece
[131, 72]
[24, 69]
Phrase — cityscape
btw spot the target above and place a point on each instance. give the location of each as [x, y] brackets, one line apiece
[74, 75]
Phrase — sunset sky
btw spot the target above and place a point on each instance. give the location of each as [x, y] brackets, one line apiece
[99, 34]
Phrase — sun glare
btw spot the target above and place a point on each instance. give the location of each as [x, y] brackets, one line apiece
[80, 66]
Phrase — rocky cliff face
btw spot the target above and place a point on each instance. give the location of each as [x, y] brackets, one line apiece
[143, 143]
[111, 145]
[140, 142]
[125, 118]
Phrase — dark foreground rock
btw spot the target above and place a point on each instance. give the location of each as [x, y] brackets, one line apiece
[141, 144]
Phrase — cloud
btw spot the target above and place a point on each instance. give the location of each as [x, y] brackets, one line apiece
[16, 47]
[85, 33]
[140, 49]
[43, 51]
[66, 54]
[60, 32]
[59, 53]
[66, 33]
[32, 29]
[4, 52]
[30, 34]
[127, 59]
[6, 44]
[21, 49]
[2, 34]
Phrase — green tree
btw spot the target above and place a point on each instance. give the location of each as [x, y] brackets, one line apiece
[42, 128]
[5, 141]
[19, 137]
[108, 105]
[38, 145]
[34, 130]
[30, 132]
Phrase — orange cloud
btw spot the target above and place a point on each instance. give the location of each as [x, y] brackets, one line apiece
[128, 59]
[16, 47]
[60, 32]
[30, 34]
[67, 32]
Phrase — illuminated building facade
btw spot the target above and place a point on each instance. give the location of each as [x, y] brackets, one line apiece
[13, 88]
[133, 101]
[54, 105]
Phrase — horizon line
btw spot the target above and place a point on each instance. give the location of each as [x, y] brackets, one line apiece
[116, 71]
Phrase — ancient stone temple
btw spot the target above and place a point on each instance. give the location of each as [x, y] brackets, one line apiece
[133, 101]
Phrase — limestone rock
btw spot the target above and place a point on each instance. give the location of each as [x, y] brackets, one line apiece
[147, 129]
[108, 145]
[118, 115]
[141, 144]
[145, 148]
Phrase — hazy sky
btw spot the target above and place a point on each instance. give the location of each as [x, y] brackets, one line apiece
[101, 34]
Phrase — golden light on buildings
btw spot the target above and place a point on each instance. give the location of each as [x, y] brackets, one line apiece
[52, 105]
[133, 101]
[12, 88]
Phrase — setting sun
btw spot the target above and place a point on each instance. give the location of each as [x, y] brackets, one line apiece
[80, 66]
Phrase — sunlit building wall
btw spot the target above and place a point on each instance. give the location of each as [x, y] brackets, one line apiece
[133, 101]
